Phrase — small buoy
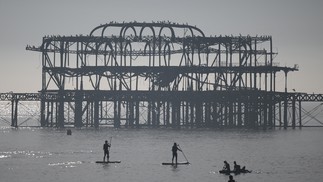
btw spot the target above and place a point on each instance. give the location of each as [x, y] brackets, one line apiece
[69, 132]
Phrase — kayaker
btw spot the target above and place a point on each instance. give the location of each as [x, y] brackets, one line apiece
[226, 166]
[236, 167]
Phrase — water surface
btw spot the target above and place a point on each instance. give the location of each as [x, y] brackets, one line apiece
[35, 154]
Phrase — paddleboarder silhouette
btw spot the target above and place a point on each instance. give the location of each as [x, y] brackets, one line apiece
[106, 147]
[174, 150]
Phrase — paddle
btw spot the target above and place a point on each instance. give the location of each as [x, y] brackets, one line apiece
[110, 143]
[109, 148]
[183, 153]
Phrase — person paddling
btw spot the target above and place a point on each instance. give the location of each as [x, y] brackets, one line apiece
[236, 167]
[226, 167]
[174, 150]
[106, 147]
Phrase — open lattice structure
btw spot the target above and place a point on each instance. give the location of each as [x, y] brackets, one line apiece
[159, 74]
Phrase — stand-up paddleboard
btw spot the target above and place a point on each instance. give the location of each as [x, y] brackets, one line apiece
[174, 164]
[107, 162]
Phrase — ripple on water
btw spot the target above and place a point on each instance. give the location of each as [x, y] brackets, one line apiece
[24, 153]
[69, 164]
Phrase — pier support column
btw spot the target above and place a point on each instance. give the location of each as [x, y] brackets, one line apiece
[176, 114]
[230, 107]
[43, 121]
[256, 114]
[60, 117]
[239, 114]
[293, 113]
[192, 116]
[265, 111]
[131, 113]
[280, 113]
[285, 113]
[199, 114]
[96, 114]
[154, 113]
[300, 113]
[14, 113]
[158, 111]
[167, 114]
[186, 120]
[250, 109]
[270, 111]
[214, 111]
[207, 114]
[51, 113]
[149, 113]
[274, 115]
[173, 115]
[117, 109]
[78, 111]
[285, 103]
[137, 113]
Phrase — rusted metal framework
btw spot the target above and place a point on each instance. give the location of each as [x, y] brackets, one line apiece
[159, 74]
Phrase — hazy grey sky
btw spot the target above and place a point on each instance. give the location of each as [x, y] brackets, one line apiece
[296, 27]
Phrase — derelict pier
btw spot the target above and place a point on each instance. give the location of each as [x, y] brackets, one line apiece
[161, 74]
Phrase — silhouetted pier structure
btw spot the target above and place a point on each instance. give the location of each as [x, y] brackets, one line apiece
[162, 75]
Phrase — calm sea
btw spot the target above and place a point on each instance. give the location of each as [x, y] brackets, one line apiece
[42, 154]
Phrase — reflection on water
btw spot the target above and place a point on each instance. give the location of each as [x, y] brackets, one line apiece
[34, 154]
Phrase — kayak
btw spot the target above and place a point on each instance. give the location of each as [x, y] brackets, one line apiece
[172, 164]
[235, 172]
[107, 162]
